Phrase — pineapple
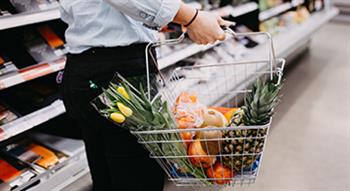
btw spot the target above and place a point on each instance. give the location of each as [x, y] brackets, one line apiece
[257, 110]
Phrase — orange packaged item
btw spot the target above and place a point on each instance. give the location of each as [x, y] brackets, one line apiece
[48, 158]
[8, 172]
[50, 36]
[2, 61]
[187, 111]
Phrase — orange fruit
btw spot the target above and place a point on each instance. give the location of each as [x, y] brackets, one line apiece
[195, 149]
[222, 110]
[186, 136]
[222, 174]
[229, 114]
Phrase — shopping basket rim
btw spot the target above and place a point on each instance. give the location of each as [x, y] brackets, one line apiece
[232, 127]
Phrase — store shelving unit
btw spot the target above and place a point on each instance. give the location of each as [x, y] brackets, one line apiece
[289, 41]
[344, 6]
[186, 52]
[31, 72]
[285, 43]
[21, 19]
[76, 165]
[236, 11]
[272, 12]
[31, 120]
[64, 173]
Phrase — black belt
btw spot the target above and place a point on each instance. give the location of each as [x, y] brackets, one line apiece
[136, 50]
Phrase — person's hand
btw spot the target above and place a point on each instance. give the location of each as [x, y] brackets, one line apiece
[205, 29]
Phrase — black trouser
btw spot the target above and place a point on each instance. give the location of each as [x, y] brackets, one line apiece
[116, 160]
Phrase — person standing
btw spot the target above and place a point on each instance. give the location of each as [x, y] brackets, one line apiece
[108, 36]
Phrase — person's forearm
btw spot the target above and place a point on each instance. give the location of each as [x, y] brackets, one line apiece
[184, 15]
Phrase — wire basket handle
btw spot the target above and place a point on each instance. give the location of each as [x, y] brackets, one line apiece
[271, 53]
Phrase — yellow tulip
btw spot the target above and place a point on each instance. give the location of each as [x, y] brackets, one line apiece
[123, 92]
[117, 117]
[125, 110]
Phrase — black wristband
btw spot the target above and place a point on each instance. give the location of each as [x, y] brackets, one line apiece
[193, 18]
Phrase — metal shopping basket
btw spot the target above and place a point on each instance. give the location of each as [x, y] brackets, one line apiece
[208, 159]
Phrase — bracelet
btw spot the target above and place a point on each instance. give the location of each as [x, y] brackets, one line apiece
[194, 17]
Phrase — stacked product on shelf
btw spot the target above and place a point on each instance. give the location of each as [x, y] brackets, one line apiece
[27, 161]
[6, 9]
[14, 173]
[6, 65]
[34, 5]
[314, 5]
[6, 114]
[38, 156]
[43, 44]
[29, 97]
[267, 4]
[35, 50]
[4, 13]
[287, 20]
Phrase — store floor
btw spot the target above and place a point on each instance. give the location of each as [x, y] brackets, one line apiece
[309, 145]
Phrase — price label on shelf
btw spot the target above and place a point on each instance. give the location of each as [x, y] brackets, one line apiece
[36, 71]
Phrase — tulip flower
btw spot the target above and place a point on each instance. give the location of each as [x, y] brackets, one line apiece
[117, 117]
[124, 109]
[121, 90]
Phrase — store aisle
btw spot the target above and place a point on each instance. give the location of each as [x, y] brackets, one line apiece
[309, 145]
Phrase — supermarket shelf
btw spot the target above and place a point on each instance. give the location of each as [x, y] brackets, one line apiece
[31, 73]
[64, 173]
[236, 11]
[21, 19]
[291, 39]
[342, 2]
[286, 43]
[267, 14]
[60, 177]
[31, 120]
[184, 53]
[343, 5]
